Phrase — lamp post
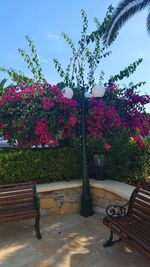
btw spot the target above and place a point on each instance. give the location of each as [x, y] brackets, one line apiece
[86, 198]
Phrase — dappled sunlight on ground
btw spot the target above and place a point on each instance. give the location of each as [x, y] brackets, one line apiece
[7, 251]
[67, 241]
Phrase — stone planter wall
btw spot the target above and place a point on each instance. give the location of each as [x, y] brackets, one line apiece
[62, 200]
[102, 198]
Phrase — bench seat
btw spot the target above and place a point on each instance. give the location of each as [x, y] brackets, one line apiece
[18, 202]
[131, 222]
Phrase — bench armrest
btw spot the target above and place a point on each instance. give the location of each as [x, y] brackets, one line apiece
[117, 210]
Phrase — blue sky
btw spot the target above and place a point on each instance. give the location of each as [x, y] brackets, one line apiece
[44, 20]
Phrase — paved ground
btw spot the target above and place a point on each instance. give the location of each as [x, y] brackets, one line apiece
[68, 241]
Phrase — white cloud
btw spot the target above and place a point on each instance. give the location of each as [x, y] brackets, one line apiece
[52, 36]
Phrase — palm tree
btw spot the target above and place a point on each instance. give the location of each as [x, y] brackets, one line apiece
[125, 10]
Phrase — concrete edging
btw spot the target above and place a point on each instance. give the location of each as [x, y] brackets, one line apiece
[121, 189]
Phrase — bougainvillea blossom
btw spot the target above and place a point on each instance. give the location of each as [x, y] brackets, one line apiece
[39, 114]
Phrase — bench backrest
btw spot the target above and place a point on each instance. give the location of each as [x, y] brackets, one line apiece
[17, 195]
[139, 205]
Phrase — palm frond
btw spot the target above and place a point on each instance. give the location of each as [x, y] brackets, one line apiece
[148, 22]
[125, 10]
[2, 83]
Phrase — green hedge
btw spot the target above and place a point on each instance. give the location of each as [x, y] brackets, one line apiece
[41, 165]
[123, 162]
[127, 163]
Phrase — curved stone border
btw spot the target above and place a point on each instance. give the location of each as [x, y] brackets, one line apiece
[121, 189]
[64, 197]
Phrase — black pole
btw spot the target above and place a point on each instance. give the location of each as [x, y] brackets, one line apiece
[86, 199]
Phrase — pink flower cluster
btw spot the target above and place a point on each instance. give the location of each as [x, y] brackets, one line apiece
[134, 98]
[102, 118]
[43, 135]
[107, 147]
[112, 88]
[47, 103]
[136, 120]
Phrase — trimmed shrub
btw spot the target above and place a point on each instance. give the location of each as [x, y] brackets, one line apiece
[40, 165]
[139, 165]
[127, 162]
[124, 162]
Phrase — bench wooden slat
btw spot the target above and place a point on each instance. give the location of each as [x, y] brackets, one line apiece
[144, 192]
[141, 208]
[145, 224]
[129, 228]
[19, 201]
[14, 202]
[18, 206]
[15, 188]
[19, 217]
[19, 195]
[136, 223]
[142, 197]
[14, 212]
[144, 204]
[138, 214]
[131, 236]
[17, 184]
[15, 194]
[13, 191]
[132, 244]
[140, 225]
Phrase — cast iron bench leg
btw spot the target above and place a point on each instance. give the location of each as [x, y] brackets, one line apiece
[37, 226]
[110, 241]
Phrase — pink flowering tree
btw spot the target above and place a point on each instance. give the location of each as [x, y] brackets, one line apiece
[37, 115]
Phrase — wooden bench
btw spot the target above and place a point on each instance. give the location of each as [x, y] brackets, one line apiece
[18, 202]
[131, 222]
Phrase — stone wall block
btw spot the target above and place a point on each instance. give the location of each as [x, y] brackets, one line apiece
[47, 203]
[66, 208]
[98, 192]
[55, 210]
[103, 203]
[59, 196]
[45, 194]
[58, 193]
[72, 195]
[76, 207]
[109, 195]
